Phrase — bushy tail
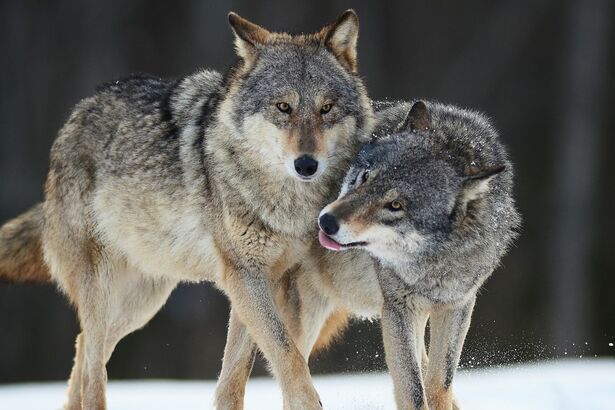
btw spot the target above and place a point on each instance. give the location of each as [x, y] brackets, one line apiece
[21, 254]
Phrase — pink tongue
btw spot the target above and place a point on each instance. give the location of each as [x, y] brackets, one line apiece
[328, 242]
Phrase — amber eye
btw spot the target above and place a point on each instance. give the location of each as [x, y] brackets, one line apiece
[284, 107]
[394, 206]
[326, 108]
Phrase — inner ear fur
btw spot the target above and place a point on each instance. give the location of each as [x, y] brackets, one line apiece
[418, 118]
[476, 182]
[474, 187]
[340, 38]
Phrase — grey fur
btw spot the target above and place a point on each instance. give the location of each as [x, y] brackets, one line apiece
[309, 71]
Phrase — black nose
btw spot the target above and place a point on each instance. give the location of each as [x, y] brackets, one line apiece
[306, 166]
[328, 224]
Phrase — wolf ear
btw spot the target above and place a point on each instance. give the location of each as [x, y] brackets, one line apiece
[476, 183]
[247, 37]
[475, 186]
[418, 118]
[340, 37]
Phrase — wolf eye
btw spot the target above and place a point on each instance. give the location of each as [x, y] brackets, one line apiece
[394, 206]
[326, 108]
[284, 107]
[364, 176]
[360, 177]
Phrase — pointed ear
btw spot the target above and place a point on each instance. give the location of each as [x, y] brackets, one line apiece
[340, 37]
[418, 118]
[475, 186]
[247, 37]
[477, 181]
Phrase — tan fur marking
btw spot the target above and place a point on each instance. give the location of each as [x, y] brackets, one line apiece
[361, 222]
[305, 140]
[440, 398]
[332, 331]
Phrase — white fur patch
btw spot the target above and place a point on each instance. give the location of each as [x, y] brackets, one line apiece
[341, 131]
[266, 138]
[477, 189]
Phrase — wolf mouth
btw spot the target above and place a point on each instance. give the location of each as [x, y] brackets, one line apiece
[306, 179]
[331, 244]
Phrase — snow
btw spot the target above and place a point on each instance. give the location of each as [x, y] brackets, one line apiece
[561, 385]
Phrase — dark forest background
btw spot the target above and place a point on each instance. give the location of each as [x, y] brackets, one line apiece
[542, 69]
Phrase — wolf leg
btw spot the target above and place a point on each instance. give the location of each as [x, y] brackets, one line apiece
[110, 307]
[252, 300]
[401, 332]
[239, 355]
[136, 300]
[310, 316]
[74, 382]
[449, 326]
[93, 305]
[304, 311]
[423, 317]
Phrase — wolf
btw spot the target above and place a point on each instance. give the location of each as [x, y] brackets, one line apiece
[206, 178]
[433, 204]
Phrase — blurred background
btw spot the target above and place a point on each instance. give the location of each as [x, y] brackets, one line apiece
[542, 69]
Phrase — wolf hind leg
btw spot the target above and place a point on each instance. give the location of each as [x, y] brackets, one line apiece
[93, 305]
[138, 299]
[74, 382]
[110, 307]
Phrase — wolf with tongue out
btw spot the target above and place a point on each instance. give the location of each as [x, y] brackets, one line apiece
[433, 205]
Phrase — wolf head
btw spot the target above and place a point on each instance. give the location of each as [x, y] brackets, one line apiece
[408, 194]
[295, 103]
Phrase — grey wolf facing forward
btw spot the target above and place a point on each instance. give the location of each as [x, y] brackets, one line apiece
[205, 178]
[433, 204]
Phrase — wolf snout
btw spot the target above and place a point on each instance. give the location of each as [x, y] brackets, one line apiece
[306, 166]
[328, 223]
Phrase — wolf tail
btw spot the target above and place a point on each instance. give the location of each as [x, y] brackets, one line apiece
[21, 253]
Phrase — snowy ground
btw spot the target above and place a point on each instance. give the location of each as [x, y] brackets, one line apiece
[562, 385]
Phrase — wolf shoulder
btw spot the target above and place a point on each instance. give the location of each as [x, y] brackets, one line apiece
[135, 121]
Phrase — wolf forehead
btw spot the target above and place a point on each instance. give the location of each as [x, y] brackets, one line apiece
[312, 72]
[461, 138]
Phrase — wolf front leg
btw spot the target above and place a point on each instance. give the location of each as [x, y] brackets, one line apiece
[401, 332]
[239, 355]
[252, 300]
[448, 327]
